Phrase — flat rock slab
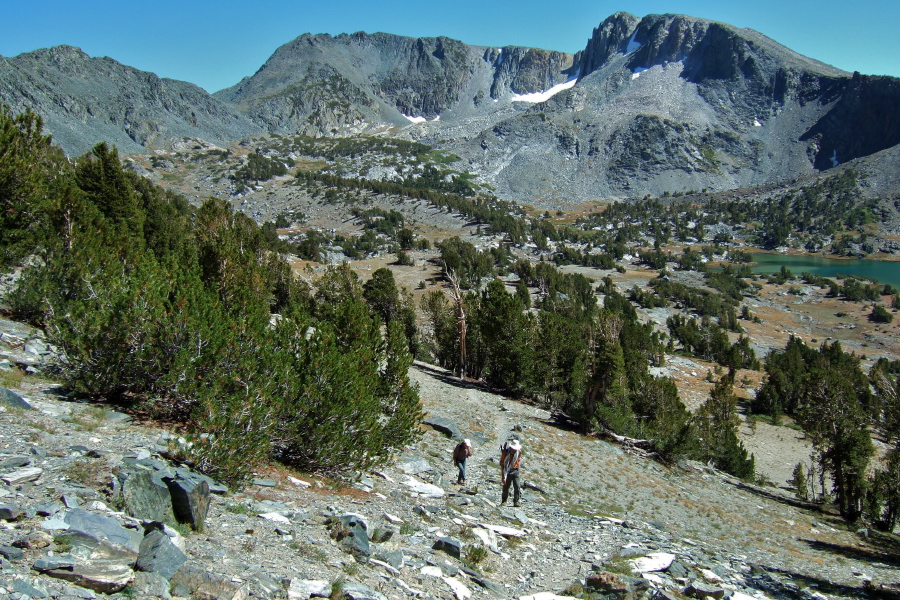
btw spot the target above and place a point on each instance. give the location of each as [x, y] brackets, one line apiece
[10, 553]
[22, 475]
[106, 576]
[20, 586]
[50, 563]
[445, 426]
[355, 591]
[655, 561]
[416, 466]
[424, 489]
[103, 536]
[504, 531]
[303, 589]
[13, 400]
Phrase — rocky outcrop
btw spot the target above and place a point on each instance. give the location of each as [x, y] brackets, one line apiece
[865, 120]
[387, 535]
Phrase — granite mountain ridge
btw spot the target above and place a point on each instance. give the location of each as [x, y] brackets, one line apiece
[654, 104]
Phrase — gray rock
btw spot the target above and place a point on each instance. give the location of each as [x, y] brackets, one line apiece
[50, 508]
[22, 475]
[190, 499]
[9, 512]
[445, 426]
[264, 586]
[357, 542]
[678, 570]
[13, 400]
[202, 583]
[146, 495]
[14, 462]
[103, 575]
[265, 482]
[355, 591]
[23, 587]
[303, 589]
[491, 586]
[103, 536]
[699, 589]
[633, 551]
[49, 563]
[416, 466]
[451, 546]
[79, 592]
[151, 585]
[159, 555]
[395, 557]
[10, 553]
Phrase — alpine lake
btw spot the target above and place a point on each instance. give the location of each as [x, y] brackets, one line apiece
[883, 271]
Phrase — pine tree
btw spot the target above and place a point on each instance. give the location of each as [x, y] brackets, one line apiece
[100, 176]
[834, 418]
[717, 423]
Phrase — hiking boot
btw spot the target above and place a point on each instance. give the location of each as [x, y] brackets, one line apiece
[516, 504]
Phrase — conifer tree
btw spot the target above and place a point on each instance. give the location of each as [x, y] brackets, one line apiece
[100, 176]
[716, 422]
[834, 417]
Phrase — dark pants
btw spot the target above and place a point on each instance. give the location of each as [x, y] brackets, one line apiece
[461, 465]
[511, 478]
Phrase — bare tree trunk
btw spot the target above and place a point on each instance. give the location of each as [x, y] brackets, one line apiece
[456, 294]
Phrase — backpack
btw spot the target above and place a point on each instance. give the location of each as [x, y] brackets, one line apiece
[459, 452]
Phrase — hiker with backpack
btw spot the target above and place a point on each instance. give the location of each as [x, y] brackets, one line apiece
[462, 451]
[510, 458]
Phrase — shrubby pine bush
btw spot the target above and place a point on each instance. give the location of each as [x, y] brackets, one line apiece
[167, 308]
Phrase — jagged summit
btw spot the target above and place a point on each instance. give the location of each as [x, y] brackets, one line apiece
[708, 49]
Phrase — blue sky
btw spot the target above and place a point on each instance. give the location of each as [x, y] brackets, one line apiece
[214, 44]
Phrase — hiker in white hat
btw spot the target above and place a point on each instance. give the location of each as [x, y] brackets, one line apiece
[510, 457]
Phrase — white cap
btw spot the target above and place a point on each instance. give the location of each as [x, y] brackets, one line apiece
[467, 442]
[514, 444]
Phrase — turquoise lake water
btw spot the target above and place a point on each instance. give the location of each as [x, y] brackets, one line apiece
[883, 271]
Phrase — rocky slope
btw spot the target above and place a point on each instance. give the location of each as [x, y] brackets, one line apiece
[86, 100]
[89, 506]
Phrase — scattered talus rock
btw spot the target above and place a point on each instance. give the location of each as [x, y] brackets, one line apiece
[547, 548]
